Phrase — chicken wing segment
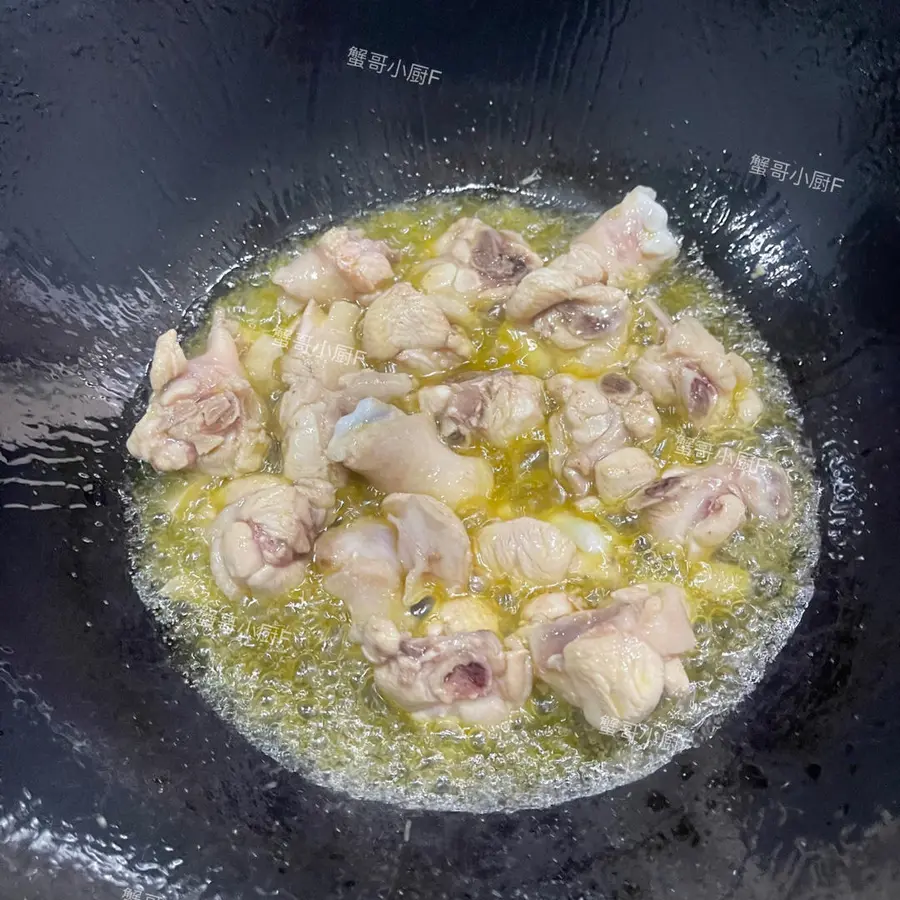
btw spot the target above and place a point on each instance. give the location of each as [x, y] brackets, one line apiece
[203, 413]
[401, 453]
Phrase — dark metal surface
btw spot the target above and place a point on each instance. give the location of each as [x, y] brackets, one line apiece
[147, 146]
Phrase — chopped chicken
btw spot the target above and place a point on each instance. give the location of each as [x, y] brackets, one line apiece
[633, 238]
[362, 568]
[356, 386]
[261, 543]
[593, 319]
[623, 472]
[463, 614]
[639, 415]
[203, 413]
[692, 371]
[431, 541]
[467, 676]
[341, 265]
[495, 406]
[700, 508]
[597, 417]
[615, 662]
[307, 413]
[413, 330]
[526, 550]
[478, 262]
[403, 453]
[576, 302]
[547, 607]
[324, 345]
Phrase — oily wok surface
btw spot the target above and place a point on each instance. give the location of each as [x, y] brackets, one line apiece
[147, 149]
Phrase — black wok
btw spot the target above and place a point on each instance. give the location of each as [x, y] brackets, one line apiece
[147, 147]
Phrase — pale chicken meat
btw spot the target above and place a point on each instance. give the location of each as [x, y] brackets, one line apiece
[526, 550]
[623, 472]
[700, 508]
[692, 372]
[432, 541]
[468, 676]
[308, 413]
[463, 614]
[261, 543]
[412, 330]
[632, 239]
[361, 567]
[203, 413]
[323, 345]
[616, 662]
[478, 262]
[399, 453]
[492, 406]
[342, 265]
[596, 417]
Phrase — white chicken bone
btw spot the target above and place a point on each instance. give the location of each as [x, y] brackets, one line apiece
[341, 265]
[467, 676]
[203, 413]
[401, 453]
[495, 406]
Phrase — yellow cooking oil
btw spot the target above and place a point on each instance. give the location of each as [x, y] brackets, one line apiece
[282, 668]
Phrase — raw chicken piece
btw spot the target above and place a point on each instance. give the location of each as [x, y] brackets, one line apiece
[463, 614]
[526, 550]
[403, 453]
[595, 312]
[700, 508]
[614, 662]
[342, 264]
[467, 676]
[203, 413]
[412, 330]
[478, 262]
[639, 415]
[586, 428]
[623, 472]
[547, 607]
[356, 386]
[323, 347]
[597, 417]
[361, 567]
[632, 239]
[692, 372]
[495, 406]
[431, 541]
[307, 413]
[261, 543]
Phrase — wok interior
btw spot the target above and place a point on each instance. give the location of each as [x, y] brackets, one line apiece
[103, 720]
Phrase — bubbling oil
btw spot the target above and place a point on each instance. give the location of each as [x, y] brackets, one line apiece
[282, 669]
